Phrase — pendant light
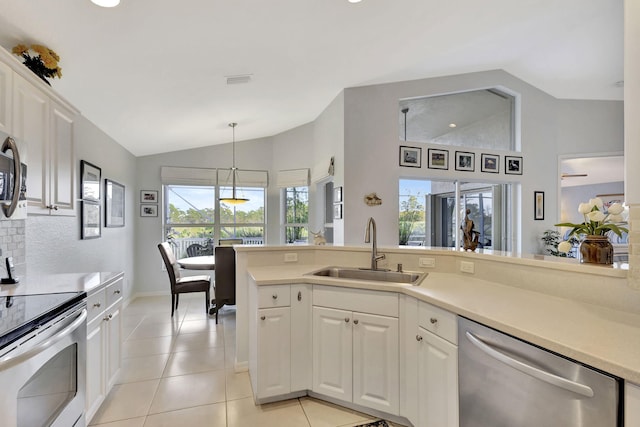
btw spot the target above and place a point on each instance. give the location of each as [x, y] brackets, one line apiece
[233, 200]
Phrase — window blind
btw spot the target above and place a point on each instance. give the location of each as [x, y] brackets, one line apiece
[293, 178]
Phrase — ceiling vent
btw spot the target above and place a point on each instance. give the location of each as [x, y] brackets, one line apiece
[238, 79]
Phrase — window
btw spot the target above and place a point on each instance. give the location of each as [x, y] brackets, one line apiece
[428, 209]
[193, 217]
[296, 214]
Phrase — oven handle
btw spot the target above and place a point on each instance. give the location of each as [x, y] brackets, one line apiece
[8, 362]
[531, 370]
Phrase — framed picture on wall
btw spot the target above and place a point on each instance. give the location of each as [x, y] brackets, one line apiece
[89, 181]
[90, 220]
[538, 205]
[410, 157]
[513, 165]
[148, 196]
[490, 163]
[465, 161]
[148, 210]
[114, 204]
[337, 194]
[438, 159]
[337, 211]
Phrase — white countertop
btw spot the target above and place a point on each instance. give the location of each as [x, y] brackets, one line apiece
[54, 283]
[601, 337]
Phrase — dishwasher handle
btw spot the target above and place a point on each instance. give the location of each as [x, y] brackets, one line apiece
[531, 370]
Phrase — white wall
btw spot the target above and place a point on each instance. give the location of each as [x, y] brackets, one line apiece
[573, 196]
[53, 244]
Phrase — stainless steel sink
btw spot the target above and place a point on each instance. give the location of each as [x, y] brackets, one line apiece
[410, 277]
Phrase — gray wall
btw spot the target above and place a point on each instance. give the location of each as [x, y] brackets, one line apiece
[53, 244]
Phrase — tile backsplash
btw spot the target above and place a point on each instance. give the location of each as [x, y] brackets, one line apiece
[13, 240]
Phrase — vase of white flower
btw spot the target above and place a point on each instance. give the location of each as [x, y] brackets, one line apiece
[595, 247]
[596, 250]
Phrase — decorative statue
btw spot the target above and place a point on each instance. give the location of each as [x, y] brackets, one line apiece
[469, 235]
[318, 238]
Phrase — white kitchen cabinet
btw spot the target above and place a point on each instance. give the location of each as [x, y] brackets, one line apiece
[6, 97]
[430, 365]
[103, 343]
[280, 343]
[355, 353]
[47, 129]
[632, 405]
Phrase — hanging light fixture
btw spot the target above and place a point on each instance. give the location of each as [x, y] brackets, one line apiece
[234, 200]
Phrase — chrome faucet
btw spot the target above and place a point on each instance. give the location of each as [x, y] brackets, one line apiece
[371, 225]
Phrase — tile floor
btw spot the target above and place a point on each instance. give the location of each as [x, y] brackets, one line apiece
[179, 372]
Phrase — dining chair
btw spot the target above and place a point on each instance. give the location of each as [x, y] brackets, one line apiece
[181, 285]
[225, 278]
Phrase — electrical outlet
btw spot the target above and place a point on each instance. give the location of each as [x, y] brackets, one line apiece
[291, 257]
[466, 267]
[427, 262]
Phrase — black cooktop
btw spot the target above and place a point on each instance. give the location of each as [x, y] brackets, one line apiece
[22, 313]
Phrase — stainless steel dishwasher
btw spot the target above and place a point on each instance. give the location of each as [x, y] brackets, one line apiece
[506, 382]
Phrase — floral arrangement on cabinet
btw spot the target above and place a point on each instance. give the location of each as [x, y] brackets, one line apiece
[597, 221]
[39, 59]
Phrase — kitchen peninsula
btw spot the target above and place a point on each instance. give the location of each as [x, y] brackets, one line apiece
[586, 313]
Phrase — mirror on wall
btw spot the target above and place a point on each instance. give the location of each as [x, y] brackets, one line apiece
[475, 119]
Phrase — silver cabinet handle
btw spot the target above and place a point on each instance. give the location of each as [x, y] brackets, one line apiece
[97, 305]
[262, 317]
[299, 295]
[531, 370]
[274, 296]
[117, 291]
[418, 338]
[346, 319]
[355, 322]
[433, 320]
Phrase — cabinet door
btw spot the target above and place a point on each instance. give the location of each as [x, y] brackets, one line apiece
[274, 351]
[409, 359]
[375, 362]
[95, 387]
[31, 126]
[301, 333]
[62, 162]
[632, 405]
[113, 356]
[437, 381]
[6, 89]
[332, 353]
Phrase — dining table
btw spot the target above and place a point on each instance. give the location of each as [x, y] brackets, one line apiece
[204, 262]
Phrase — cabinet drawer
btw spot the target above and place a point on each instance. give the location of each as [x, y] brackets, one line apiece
[274, 296]
[114, 292]
[96, 304]
[362, 300]
[438, 321]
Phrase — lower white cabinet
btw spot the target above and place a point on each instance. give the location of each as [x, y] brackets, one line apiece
[632, 405]
[355, 354]
[103, 343]
[280, 340]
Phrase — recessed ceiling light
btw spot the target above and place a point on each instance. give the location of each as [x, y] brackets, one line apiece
[355, 1]
[238, 79]
[452, 125]
[106, 3]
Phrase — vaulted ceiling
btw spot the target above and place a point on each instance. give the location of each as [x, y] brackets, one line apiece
[153, 73]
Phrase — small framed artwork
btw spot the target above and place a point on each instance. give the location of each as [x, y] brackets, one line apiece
[90, 220]
[438, 159]
[148, 210]
[490, 163]
[337, 195]
[90, 181]
[148, 196]
[113, 204]
[465, 161]
[513, 165]
[410, 157]
[337, 211]
[538, 205]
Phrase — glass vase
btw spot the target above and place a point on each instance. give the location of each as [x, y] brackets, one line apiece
[596, 250]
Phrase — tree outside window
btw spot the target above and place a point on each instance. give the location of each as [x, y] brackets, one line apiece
[296, 214]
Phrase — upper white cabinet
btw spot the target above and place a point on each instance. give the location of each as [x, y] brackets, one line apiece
[44, 126]
[6, 96]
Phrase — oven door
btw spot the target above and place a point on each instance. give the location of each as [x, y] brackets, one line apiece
[43, 378]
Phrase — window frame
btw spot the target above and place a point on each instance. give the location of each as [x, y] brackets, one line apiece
[284, 224]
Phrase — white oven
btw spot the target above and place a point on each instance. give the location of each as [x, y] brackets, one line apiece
[42, 372]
